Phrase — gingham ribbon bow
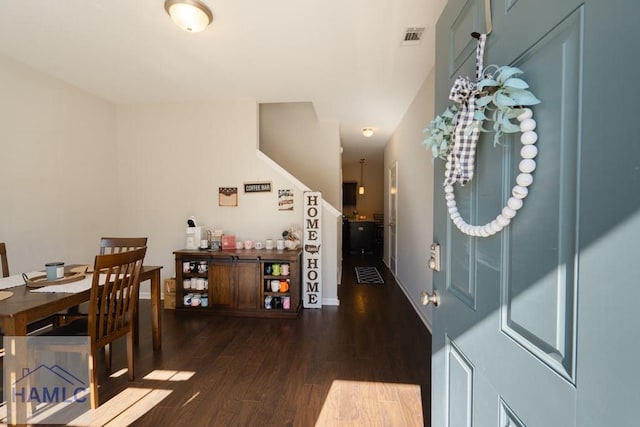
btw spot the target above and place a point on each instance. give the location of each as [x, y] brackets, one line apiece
[461, 155]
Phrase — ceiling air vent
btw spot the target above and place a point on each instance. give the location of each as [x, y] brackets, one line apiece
[412, 36]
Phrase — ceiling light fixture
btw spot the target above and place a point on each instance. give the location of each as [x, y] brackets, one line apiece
[190, 15]
[368, 132]
[361, 188]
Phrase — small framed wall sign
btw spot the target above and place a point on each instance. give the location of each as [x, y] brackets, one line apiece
[227, 196]
[285, 200]
[257, 187]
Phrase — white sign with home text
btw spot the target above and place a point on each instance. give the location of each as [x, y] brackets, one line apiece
[312, 258]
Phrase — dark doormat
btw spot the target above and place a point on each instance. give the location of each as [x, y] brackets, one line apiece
[368, 276]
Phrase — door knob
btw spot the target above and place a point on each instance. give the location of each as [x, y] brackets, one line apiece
[434, 298]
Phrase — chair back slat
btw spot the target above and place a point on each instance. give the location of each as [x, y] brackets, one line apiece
[114, 294]
[3, 260]
[112, 245]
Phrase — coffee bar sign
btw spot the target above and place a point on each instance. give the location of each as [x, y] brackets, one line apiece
[257, 187]
[312, 257]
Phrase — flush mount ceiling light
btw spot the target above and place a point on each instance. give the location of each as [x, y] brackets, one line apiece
[190, 15]
[368, 132]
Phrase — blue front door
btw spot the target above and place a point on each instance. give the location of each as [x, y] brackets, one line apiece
[537, 323]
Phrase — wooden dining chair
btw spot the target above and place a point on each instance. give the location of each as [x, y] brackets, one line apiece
[3, 260]
[111, 245]
[114, 297]
[108, 245]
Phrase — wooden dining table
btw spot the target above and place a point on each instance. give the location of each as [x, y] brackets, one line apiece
[25, 307]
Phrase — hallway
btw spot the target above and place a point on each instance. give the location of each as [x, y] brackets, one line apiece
[372, 350]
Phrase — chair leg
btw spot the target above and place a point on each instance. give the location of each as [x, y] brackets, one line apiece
[135, 324]
[93, 381]
[130, 344]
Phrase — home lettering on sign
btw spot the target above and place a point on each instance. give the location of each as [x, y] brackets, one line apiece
[312, 259]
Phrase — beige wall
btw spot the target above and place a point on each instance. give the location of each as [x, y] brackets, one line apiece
[292, 136]
[74, 168]
[177, 156]
[58, 165]
[415, 197]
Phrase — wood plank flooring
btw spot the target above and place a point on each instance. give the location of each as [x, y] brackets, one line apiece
[366, 362]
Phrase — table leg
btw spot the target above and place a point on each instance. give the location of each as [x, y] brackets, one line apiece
[156, 310]
[15, 326]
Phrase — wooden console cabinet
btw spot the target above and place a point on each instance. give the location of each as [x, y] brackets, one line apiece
[238, 282]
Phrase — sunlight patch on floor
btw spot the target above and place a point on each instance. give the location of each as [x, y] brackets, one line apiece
[119, 373]
[168, 375]
[360, 403]
[123, 409]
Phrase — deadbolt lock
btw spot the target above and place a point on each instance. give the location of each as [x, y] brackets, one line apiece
[434, 260]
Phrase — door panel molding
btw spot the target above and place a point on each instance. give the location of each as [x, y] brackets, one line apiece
[461, 45]
[460, 373]
[539, 287]
[507, 417]
[462, 280]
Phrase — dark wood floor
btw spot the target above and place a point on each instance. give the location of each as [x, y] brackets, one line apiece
[279, 372]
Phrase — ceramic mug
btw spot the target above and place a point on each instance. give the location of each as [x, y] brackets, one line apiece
[275, 285]
[258, 245]
[279, 244]
[284, 269]
[248, 244]
[203, 267]
[269, 245]
[55, 270]
[186, 283]
[200, 283]
[275, 269]
[239, 244]
[187, 299]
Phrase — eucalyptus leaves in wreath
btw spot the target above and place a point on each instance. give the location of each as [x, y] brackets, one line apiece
[491, 104]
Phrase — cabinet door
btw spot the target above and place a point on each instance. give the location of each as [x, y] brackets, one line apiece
[247, 285]
[221, 284]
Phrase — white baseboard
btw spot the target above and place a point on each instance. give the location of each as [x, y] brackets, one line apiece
[415, 305]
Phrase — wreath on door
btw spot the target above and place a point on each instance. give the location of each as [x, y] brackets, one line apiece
[498, 96]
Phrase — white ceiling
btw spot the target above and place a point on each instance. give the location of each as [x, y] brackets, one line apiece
[344, 56]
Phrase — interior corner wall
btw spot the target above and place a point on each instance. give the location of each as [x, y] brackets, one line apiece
[292, 136]
[178, 156]
[58, 154]
[414, 196]
[74, 168]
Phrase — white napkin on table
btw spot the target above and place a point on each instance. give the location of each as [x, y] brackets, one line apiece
[71, 288]
[17, 280]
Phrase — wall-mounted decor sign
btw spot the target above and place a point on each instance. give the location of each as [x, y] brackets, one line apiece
[257, 187]
[311, 255]
[228, 196]
[285, 200]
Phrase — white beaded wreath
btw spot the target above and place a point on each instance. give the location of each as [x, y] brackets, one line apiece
[519, 191]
